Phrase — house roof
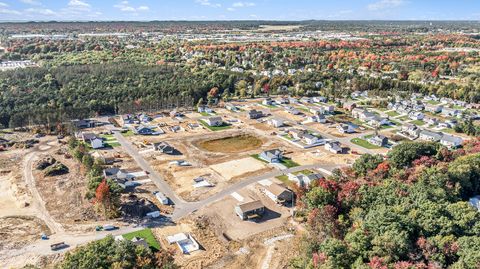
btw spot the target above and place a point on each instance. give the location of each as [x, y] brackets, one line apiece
[215, 118]
[452, 139]
[251, 206]
[272, 153]
[276, 189]
[431, 134]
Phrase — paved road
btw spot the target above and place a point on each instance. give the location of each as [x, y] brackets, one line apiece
[184, 208]
[154, 176]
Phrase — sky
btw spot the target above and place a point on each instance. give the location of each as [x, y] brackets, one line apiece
[293, 10]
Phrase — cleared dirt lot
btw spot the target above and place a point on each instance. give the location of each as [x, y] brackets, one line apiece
[233, 144]
[236, 229]
[235, 168]
[18, 231]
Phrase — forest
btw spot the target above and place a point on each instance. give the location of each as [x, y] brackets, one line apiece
[410, 210]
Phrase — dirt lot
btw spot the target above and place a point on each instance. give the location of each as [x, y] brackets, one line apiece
[232, 144]
[320, 155]
[236, 168]
[18, 231]
[64, 195]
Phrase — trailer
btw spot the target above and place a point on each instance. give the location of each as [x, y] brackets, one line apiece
[58, 246]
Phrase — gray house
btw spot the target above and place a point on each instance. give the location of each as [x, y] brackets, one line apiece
[250, 210]
[378, 140]
[164, 147]
[271, 156]
[255, 114]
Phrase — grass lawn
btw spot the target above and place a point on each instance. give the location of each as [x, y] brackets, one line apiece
[305, 172]
[128, 133]
[304, 109]
[283, 178]
[418, 122]
[289, 163]
[383, 127]
[204, 114]
[363, 143]
[286, 136]
[392, 113]
[433, 102]
[145, 234]
[404, 118]
[110, 141]
[267, 106]
[215, 128]
[381, 108]
[395, 122]
[257, 157]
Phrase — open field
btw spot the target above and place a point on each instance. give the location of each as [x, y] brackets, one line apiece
[232, 144]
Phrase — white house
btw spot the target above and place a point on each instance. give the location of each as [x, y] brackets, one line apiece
[268, 102]
[214, 121]
[345, 129]
[278, 194]
[304, 180]
[276, 122]
[312, 140]
[415, 115]
[96, 143]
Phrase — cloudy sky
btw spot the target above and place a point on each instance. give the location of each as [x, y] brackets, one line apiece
[239, 10]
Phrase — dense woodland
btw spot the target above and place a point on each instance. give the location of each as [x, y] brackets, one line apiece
[408, 211]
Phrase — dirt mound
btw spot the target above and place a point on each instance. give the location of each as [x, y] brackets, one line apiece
[232, 144]
[45, 162]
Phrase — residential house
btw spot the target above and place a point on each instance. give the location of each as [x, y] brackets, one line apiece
[282, 101]
[377, 121]
[345, 129]
[255, 114]
[278, 193]
[320, 99]
[327, 108]
[450, 112]
[292, 110]
[144, 118]
[271, 156]
[250, 210]
[185, 242]
[310, 139]
[306, 100]
[415, 115]
[162, 198]
[430, 136]
[268, 102]
[231, 107]
[96, 143]
[333, 146]
[304, 180]
[451, 141]
[138, 241]
[378, 140]
[411, 130]
[296, 133]
[164, 147]
[276, 122]
[103, 159]
[317, 110]
[143, 130]
[317, 118]
[431, 121]
[81, 124]
[433, 108]
[214, 121]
